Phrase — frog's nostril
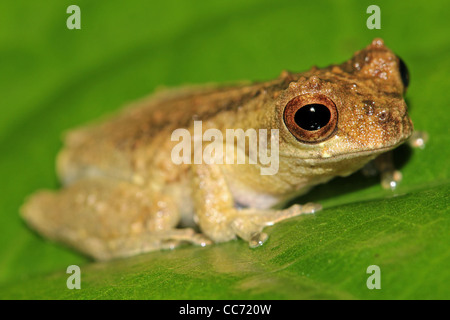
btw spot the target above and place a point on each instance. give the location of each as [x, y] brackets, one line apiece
[407, 126]
[383, 116]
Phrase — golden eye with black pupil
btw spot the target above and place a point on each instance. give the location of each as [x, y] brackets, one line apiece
[311, 118]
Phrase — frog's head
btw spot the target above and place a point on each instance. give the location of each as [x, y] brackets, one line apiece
[347, 111]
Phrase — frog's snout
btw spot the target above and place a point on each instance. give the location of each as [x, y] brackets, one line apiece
[408, 126]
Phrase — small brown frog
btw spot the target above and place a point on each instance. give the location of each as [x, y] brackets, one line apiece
[123, 193]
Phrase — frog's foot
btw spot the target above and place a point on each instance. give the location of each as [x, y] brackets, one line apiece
[250, 223]
[175, 237]
[418, 139]
[149, 241]
[384, 166]
[390, 179]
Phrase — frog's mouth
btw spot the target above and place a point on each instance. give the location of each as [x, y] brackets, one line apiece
[405, 130]
[356, 155]
[327, 153]
[361, 154]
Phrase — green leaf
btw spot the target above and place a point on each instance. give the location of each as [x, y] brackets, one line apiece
[53, 79]
[322, 256]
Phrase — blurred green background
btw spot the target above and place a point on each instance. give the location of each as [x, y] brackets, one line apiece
[52, 79]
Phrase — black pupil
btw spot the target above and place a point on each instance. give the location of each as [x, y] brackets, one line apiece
[312, 117]
[404, 72]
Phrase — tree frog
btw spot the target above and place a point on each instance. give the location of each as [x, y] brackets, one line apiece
[122, 194]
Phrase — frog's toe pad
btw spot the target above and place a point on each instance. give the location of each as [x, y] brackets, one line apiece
[257, 239]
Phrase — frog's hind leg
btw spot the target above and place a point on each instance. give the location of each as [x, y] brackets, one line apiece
[106, 218]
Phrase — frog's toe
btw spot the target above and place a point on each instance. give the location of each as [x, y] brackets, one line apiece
[292, 211]
[257, 239]
[310, 208]
[200, 240]
[391, 179]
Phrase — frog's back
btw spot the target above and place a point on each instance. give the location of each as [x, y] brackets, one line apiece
[127, 144]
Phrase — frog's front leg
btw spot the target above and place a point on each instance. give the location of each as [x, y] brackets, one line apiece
[221, 221]
[390, 177]
[383, 165]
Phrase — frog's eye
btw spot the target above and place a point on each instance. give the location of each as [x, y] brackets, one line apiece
[404, 73]
[311, 118]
